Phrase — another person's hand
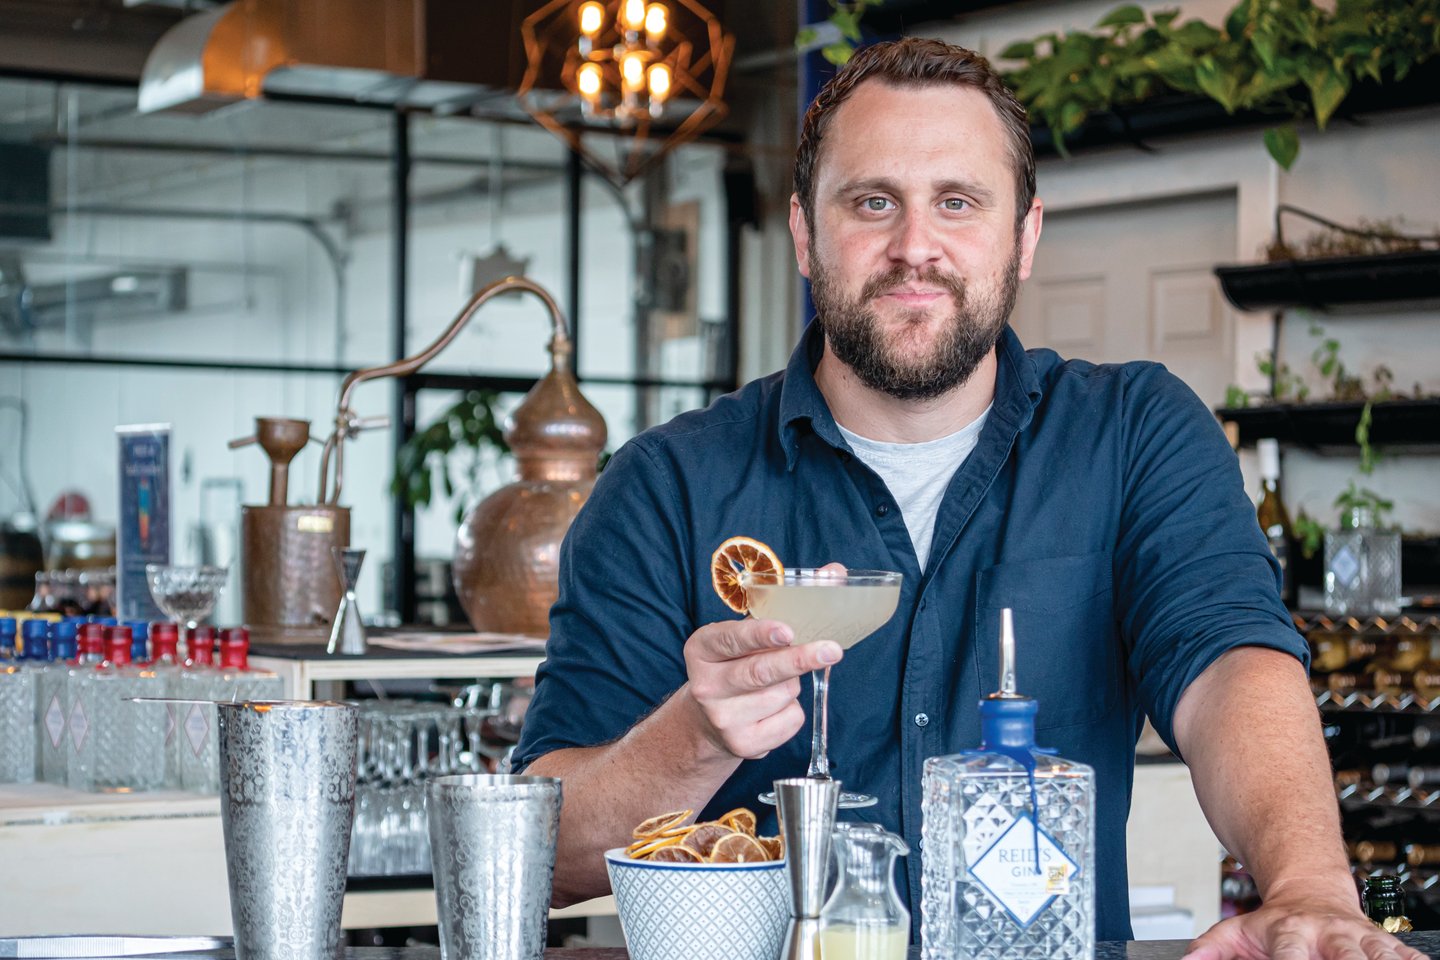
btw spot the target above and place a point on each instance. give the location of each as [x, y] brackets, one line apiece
[1300, 927]
[745, 680]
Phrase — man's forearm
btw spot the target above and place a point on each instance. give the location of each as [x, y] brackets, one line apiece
[663, 763]
[1249, 731]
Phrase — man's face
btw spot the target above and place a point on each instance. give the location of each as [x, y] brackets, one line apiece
[915, 254]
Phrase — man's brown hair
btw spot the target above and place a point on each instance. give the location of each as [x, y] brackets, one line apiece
[915, 62]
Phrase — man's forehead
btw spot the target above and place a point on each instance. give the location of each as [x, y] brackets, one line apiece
[884, 121]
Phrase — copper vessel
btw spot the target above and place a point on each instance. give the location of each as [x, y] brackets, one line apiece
[289, 588]
[507, 552]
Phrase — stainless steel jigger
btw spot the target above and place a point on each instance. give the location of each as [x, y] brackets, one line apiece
[807, 818]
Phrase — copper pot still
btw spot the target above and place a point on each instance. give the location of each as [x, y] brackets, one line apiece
[506, 567]
[507, 551]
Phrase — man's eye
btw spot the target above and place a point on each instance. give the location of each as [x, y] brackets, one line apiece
[955, 204]
[876, 203]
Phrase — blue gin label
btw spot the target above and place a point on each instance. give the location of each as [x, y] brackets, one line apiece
[144, 517]
[1024, 870]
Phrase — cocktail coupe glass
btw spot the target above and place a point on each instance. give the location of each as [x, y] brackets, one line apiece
[186, 594]
[829, 603]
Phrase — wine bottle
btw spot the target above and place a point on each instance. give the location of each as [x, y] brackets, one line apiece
[1274, 520]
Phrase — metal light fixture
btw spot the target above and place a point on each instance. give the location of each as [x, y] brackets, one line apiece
[625, 64]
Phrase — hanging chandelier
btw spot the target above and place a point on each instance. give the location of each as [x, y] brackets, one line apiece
[627, 66]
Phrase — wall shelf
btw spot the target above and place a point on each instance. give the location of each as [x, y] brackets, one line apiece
[1387, 281]
[1174, 114]
[1330, 427]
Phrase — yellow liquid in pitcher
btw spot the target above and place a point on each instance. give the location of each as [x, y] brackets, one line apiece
[845, 942]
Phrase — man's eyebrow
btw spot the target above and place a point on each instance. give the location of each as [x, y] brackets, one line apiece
[975, 191]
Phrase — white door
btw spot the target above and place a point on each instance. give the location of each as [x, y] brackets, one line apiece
[1134, 282]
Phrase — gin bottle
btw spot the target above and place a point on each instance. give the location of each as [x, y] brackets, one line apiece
[122, 749]
[165, 666]
[50, 746]
[17, 705]
[1008, 864]
[1362, 567]
[199, 770]
[7, 639]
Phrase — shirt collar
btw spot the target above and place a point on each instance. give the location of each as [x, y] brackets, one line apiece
[803, 407]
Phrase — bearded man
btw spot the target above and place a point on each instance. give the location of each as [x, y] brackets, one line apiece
[911, 431]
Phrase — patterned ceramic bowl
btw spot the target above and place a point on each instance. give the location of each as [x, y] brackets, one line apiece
[700, 911]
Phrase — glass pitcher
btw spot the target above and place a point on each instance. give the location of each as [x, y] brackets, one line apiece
[864, 918]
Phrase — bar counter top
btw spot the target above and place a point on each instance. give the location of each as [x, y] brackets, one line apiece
[1428, 942]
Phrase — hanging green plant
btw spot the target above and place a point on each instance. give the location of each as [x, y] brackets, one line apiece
[846, 19]
[1289, 58]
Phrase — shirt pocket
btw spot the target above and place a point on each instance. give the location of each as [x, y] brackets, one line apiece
[1066, 654]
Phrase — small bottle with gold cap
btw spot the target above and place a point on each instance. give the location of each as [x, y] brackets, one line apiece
[1384, 903]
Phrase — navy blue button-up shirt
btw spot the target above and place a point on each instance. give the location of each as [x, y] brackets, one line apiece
[1102, 503]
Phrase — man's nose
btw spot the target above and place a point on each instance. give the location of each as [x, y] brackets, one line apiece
[914, 242]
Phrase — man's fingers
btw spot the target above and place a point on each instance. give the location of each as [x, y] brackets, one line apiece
[761, 670]
[773, 731]
[733, 639]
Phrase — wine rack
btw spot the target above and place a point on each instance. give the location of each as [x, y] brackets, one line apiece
[1377, 684]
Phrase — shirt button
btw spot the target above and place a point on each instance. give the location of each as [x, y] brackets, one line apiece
[882, 510]
[922, 719]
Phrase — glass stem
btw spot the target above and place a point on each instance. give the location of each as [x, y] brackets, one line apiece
[819, 757]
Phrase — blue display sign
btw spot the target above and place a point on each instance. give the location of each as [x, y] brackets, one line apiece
[144, 517]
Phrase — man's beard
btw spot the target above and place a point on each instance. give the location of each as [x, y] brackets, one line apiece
[855, 331]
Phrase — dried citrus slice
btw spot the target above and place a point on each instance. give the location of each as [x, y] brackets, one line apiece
[658, 825]
[735, 556]
[679, 853]
[740, 820]
[643, 849]
[738, 848]
[703, 840]
[774, 846]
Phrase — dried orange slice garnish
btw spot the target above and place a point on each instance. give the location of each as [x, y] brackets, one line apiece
[657, 825]
[740, 820]
[731, 839]
[736, 556]
[703, 840]
[679, 853]
[738, 848]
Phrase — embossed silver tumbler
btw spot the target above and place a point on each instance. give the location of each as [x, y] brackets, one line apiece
[287, 800]
[492, 844]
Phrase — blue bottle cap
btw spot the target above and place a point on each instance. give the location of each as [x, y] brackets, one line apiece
[63, 645]
[139, 628]
[37, 639]
[7, 627]
[69, 628]
[107, 621]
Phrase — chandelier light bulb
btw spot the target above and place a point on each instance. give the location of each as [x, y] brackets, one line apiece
[632, 14]
[659, 82]
[632, 71]
[592, 18]
[655, 21]
[588, 80]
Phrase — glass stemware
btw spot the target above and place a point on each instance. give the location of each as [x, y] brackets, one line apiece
[185, 594]
[830, 603]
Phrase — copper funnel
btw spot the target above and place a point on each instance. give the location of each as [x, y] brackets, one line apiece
[507, 551]
[281, 439]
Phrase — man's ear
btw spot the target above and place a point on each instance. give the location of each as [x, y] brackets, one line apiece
[1030, 236]
[800, 231]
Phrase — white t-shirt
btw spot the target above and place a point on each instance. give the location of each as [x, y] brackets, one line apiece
[917, 474]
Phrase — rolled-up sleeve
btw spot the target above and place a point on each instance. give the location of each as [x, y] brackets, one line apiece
[618, 629]
[1194, 576]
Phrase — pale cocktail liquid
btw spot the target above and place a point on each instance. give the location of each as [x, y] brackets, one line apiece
[821, 609]
[850, 942]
